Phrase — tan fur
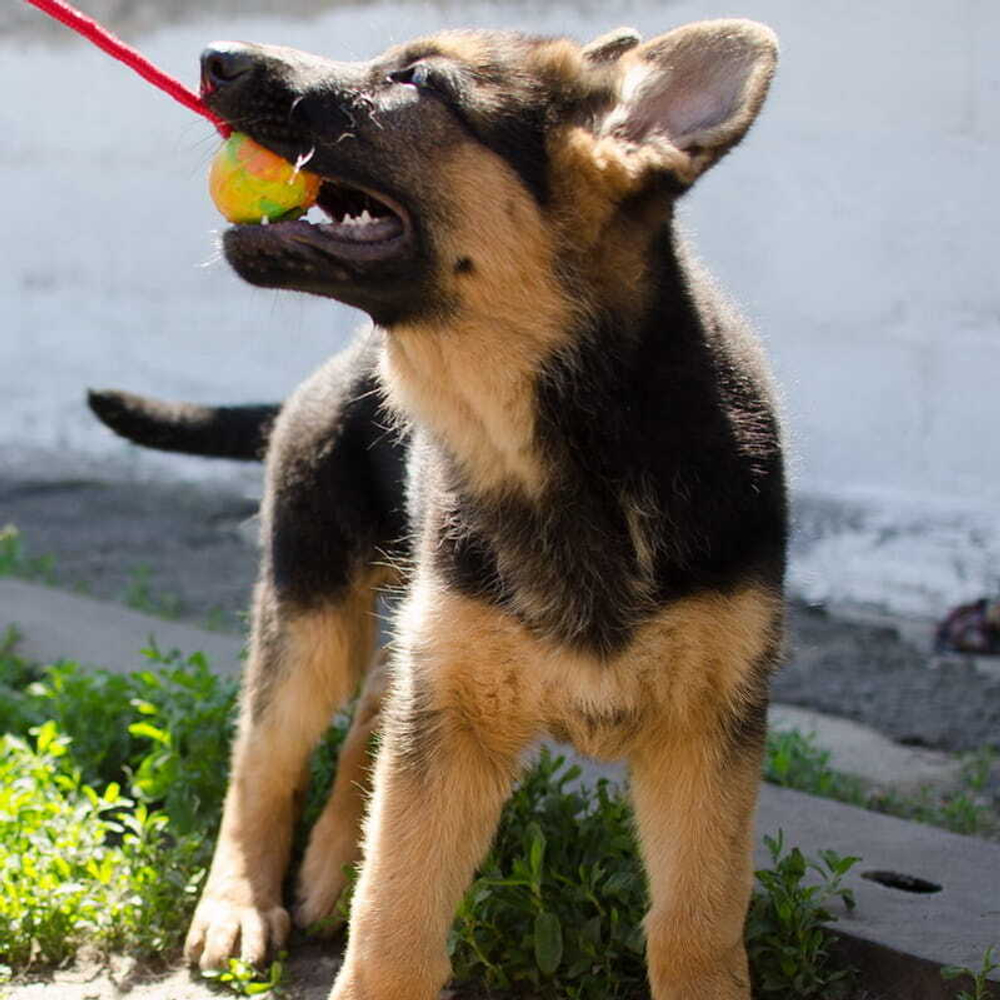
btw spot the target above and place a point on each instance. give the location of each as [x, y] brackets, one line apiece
[694, 815]
[334, 842]
[592, 178]
[688, 667]
[469, 377]
[491, 689]
[320, 657]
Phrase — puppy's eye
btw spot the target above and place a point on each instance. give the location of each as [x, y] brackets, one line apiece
[418, 75]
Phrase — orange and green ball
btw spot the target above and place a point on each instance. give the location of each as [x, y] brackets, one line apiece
[249, 183]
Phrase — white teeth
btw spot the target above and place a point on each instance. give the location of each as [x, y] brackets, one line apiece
[364, 219]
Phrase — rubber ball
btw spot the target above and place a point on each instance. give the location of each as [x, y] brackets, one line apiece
[249, 183]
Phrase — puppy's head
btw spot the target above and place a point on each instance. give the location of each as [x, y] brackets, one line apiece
[458, 166]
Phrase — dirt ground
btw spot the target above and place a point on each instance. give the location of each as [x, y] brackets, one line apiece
[311, 968]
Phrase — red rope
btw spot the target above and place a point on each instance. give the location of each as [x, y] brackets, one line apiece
[114, 46]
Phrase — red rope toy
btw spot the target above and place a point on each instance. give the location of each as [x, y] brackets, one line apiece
[247, 182]
[114, 46]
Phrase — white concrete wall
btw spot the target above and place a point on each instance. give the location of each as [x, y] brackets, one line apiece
[859, 225]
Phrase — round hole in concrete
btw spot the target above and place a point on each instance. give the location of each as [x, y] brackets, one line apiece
[901, 881]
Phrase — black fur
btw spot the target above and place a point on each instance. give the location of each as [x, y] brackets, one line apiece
[672, 417]
[335, 484]
[238, 432]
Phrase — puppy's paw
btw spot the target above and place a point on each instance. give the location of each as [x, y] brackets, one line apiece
[223, 928]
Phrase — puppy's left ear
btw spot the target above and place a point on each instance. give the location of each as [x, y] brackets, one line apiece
[687, 97]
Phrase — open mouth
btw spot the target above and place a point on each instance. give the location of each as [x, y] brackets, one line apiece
[359, 219]
[347, 225]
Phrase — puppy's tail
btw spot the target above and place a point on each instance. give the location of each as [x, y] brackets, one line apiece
[239, 432]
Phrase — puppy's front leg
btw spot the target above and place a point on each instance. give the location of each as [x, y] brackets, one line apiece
[694, 799]
[302, 666]
[453, 735]
[335, 840]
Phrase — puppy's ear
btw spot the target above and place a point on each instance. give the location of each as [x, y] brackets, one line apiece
[690, 95]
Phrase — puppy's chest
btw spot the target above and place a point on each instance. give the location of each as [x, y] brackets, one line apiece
[569, 567]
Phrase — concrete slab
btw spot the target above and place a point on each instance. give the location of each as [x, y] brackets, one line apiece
[865, 753]
[58, 625]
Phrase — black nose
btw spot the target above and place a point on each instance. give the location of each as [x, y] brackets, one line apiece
[224, 62]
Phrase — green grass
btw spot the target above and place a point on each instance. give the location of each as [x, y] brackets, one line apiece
[557, 906]
[143, 595]
[78, 865]
[556, 909]
[793, 760]
[16, 561]
[82, 861]
[141, 591]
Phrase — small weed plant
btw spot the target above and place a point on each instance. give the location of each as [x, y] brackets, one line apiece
[245, 980]
[142, 595]
[787, 944]
[794, 761]
[16, 561]
[981, 989]
[557, 907]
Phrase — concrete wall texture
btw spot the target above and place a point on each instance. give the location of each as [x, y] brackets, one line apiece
[859, 226]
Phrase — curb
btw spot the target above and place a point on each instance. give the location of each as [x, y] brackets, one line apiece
[899, 939]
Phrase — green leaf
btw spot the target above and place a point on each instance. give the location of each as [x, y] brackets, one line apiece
[537, 852]
[150, 731]
[548, 942]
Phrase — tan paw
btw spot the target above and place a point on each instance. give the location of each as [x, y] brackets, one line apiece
[222, 929]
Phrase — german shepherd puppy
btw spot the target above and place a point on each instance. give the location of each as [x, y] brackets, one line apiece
[583, 490]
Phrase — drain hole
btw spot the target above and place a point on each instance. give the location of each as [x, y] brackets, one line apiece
[905, 883]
